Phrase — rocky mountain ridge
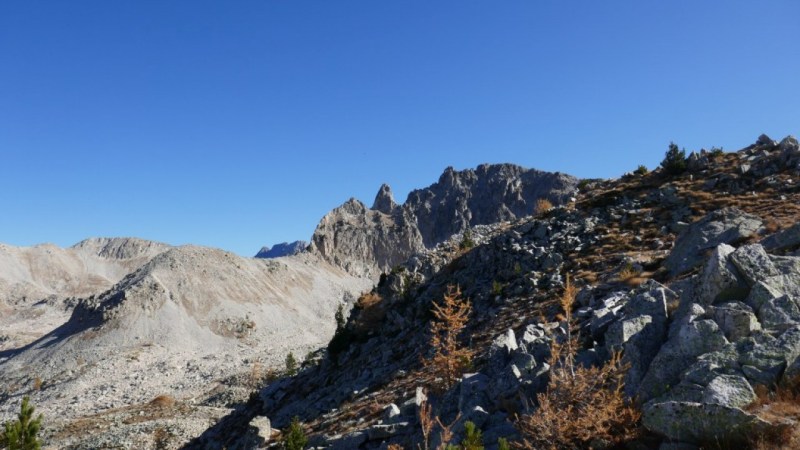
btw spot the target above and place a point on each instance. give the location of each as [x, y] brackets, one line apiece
[39, 285]
[282, 249]
[370, 241]
[694, 277]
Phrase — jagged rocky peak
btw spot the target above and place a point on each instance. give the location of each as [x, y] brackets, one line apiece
[487, 194]
[365, 241]
[282, 249]
[384, 201]
[370, 241]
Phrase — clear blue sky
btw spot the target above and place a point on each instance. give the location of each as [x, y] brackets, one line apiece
[241, 123]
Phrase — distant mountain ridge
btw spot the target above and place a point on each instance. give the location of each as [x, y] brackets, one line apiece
[34, 273]
[368, 241]
[282, 249]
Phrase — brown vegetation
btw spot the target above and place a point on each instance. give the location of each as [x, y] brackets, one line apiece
[781, 407]
[161, 438]
[428, 422]
[162, 401]
[450, 359]
[368, 312]
[543, 205]
[581, 405]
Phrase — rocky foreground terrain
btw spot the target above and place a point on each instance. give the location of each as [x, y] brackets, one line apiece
[692, 273]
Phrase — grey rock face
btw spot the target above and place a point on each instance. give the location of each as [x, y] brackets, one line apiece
[784, 239]
[370, 241]
[702, 422]
[263, 427]
[719, 279]
[764, 140]
[678, 354]
[119, 248]
[753, 263]
[719, 227]
[384, 201]
[780, 312]
[747, 333]
[729, 390]
[640, 332]
[767, 157]
[283, 249]
[697, 161]
[364, 241]
[736, 320]
[487, 194]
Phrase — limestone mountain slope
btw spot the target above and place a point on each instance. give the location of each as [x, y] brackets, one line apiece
[180, 325]
[31, 274]
[370, 241]
[39, 285]
[695, 277]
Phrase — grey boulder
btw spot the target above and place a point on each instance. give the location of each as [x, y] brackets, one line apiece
[723, 226]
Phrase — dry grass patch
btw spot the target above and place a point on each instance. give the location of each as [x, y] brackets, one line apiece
[370, 311]
[627, 272]
[162, 401]
[780, 407]
[543, 205]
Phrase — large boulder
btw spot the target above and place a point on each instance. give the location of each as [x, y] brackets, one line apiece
[640, 332]
[702, 423]
[735, 319]
[784, 239]
[763, 357]
[753, 263]
[729, 390]
[723, 226]
[719, 280]
[693, 339]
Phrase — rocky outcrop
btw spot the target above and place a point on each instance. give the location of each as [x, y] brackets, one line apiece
[371, 241]
[384, 200]
[365, 241]
[282, 249]
[719, 352]
[767, 157]
[720, 227]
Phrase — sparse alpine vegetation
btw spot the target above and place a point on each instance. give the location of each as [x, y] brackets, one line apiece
[22, 434]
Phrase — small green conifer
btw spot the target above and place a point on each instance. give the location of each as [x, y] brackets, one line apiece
[296, 438]
[21, 433]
